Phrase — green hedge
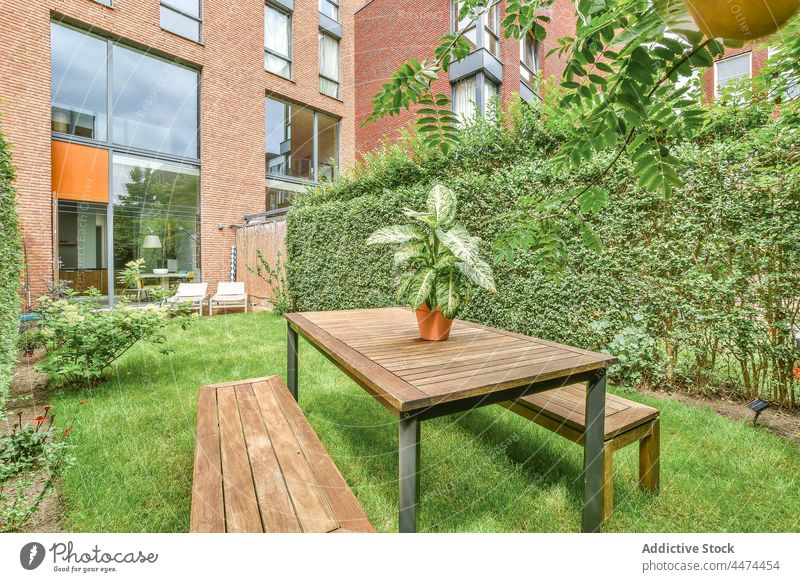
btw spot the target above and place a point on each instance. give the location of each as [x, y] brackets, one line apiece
[10, 267]
[686, 291]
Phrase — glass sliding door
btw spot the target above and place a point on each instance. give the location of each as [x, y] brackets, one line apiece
[156, 216]
[83, 245]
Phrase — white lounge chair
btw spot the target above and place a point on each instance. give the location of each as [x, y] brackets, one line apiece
[194, 293]
[228, 295]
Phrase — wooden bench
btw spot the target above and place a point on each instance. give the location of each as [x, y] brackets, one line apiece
[259, 466]
[562, 410]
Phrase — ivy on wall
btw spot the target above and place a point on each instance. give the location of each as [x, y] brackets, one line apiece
[10, 268]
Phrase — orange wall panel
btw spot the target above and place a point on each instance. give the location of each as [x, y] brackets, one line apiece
[79, 172]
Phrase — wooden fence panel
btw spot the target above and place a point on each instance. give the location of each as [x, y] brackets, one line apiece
[268, 237]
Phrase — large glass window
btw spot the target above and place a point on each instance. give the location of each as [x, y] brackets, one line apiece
[280, 194]
[154, 104]
[465, 98]
[473, 96]
[277, 41]
[467, 24]
[492, 26]
[328, 138]
[155, 218]
[731, 70]
[290, 140]
[146, 206]
[328, 65]
[181, 17]
[79, 83]
[528, 59]
[329, 8]
[302, 147]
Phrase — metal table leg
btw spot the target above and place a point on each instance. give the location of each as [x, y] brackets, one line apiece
[593, 453]
[409, 473]
[291, 360]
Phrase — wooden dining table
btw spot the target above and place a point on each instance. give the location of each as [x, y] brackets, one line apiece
[417, 380]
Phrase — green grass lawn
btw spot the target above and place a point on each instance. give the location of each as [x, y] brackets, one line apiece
[487, 470]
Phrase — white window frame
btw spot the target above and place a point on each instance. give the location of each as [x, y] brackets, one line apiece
[749, 69]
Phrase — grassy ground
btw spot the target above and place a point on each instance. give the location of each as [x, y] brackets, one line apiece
[488, 470]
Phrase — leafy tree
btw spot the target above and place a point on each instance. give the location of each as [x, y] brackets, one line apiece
[626, 90]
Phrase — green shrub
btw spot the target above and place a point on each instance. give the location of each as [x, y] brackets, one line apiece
[10, 268]
[83, 339]
[699, 289]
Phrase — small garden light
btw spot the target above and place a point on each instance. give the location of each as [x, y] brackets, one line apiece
[758, 406]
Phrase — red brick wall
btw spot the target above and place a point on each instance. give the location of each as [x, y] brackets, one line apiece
[389, 32]
[233, 86]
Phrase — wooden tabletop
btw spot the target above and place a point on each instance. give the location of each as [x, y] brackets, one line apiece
[381, 349]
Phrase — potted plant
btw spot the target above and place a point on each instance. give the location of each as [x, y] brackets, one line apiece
[131, 277]
[438, 263]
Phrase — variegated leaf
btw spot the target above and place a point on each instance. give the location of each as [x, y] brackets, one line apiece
[480, 273]
[398, 233]
[442, 204]
[405, 253]
[447, 297]
[421, 287]
[424, 217]
[460, 242]
[403, 284]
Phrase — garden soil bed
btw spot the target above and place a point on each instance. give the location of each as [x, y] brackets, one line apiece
[27, 396]
[784, 422]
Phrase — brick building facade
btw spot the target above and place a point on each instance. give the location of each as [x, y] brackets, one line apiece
[65, 151]
[389, 32]
[746, 61]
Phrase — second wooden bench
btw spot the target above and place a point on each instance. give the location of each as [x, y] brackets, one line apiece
[562, 410]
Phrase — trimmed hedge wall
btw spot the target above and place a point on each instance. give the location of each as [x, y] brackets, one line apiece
[330, 267]
[10, 268]
[696, 290]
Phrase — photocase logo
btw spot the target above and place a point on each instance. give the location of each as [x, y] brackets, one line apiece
[31, 555]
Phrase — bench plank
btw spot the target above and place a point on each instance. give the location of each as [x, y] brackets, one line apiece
[208, 511]
[241, 509]
[567, 405]
[259, 466]
[275, 505]
[309, 502]
[349, 513]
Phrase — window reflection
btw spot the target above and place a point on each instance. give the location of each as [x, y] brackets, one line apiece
[78, 83]
[154, 104]
[290, 140]
[328, 146]
[155, 218]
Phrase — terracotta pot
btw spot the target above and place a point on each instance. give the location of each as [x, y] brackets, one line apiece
[433, 326]
[741, 19]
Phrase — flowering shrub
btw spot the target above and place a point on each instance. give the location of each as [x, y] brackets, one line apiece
[31, 458]
[83, 339]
